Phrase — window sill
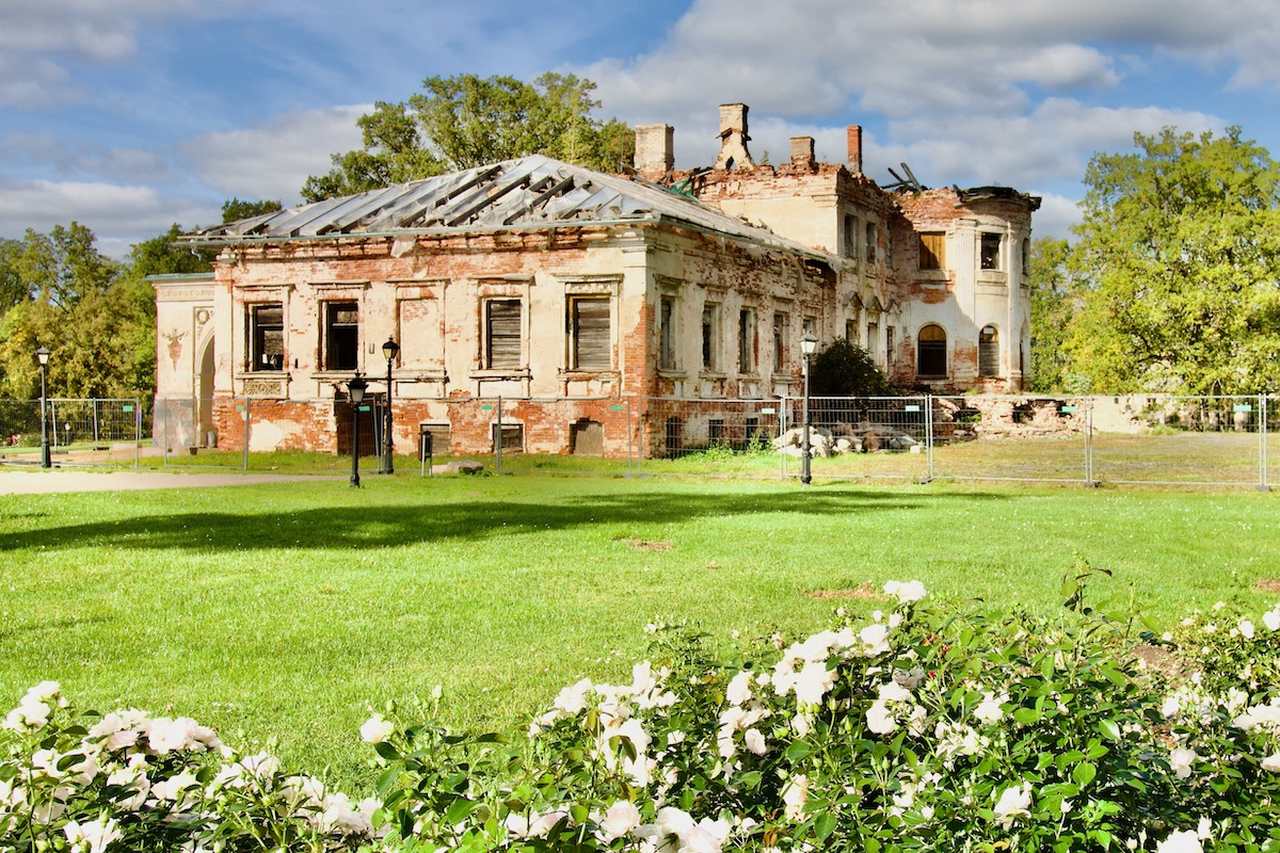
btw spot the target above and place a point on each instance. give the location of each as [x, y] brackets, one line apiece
[932, 275]
[408, 374]
[501, 373]
[672, 373]
[713, 374]
[602, 373]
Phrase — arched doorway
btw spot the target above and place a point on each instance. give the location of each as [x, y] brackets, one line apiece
[204, 397]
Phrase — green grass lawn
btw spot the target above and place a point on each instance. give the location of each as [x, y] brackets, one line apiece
[287, 609]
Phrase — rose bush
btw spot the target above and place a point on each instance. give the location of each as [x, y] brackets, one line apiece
[925, 728]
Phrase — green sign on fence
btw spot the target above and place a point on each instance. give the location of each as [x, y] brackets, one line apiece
[1242, 408]
[365, 409]
[910, 407]
[486, 408]
[1068, 410]
[769, 410]
[616, 407]
[127, 408]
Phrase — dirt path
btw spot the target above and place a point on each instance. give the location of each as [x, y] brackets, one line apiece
[49, 482]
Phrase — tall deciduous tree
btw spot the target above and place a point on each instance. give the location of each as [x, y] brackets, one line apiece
[1054, 303]
[1180, 248]
[464, 121]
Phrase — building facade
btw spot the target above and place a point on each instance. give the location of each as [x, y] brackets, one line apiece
[578, 298]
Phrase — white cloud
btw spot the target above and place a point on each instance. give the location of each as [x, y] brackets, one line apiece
[273, 160]
[119, 214]
[1056, 215]
[33, 81]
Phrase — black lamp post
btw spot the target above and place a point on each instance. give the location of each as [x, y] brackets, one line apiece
[389, 351]
[808, 345]
[355, 391]
[42, 356]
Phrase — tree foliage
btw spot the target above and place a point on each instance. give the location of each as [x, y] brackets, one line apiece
[1179, 258]
[1054, 302]
[466, 120]
[235, 209]
[845, 369]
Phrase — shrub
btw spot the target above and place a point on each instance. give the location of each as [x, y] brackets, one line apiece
[844, 369]
[927, 728]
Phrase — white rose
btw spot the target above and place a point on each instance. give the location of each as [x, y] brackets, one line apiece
[620, 819]
[376, 729]
[1014, 803]
[1180, 842]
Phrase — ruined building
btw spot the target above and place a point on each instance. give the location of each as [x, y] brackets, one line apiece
[580, 297]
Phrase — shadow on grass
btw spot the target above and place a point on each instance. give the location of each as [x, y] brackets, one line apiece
[395, 524]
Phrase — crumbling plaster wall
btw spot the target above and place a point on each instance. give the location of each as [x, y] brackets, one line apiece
[962, 298]
[184, 326]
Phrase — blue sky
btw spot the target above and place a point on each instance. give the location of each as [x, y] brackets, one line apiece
[131, 114]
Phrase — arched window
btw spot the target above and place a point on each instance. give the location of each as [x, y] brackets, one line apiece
[931, 352]
[988, 352]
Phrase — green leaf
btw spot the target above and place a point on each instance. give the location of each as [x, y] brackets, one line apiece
[1109, 729]
[1084, 773]
[824, 825]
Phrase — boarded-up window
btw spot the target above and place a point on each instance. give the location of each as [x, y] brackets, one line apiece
[809, 326]
[931, 352]
[851, 331]
[873, 237]
[888, 346]
[441, 438]
[420, 344]
[589, 326]
[933, 250]
[710, 336]
[512, 438]
[781, 326]
[667, 332]
[873, 340]
[341, 335]
[266, 336]
[747, 340]
[1026, 257]
[989, 251]
[502, 333]
[850, 236]
[586, 438]
[989, 352]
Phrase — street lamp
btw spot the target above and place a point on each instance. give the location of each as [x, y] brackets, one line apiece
[389, 351]
[355, 391]
[808, 345]
[42, 356]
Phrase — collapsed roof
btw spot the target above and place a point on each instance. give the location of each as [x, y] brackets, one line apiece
[530, 193]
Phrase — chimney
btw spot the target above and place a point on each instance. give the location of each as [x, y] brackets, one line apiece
[855, 148]
[802, 152]
[733, 138]
[655, 149]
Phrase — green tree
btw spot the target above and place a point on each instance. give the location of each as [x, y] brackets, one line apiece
[1054, 303]
[466, 120]
[97, 317]
[163, 254]
[13, 289]
[235, 209]
[1180, 254]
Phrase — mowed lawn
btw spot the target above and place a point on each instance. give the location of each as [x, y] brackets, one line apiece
[289, 609]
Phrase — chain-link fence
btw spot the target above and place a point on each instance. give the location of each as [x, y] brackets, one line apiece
[78, 431]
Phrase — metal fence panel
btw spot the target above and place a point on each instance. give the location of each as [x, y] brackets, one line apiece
[861, 438]
[1182, 440]
[1010, 437]
[80, 431]
[710, 437]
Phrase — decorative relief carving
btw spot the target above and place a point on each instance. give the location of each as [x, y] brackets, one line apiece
[264, 387]
[203, 315]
